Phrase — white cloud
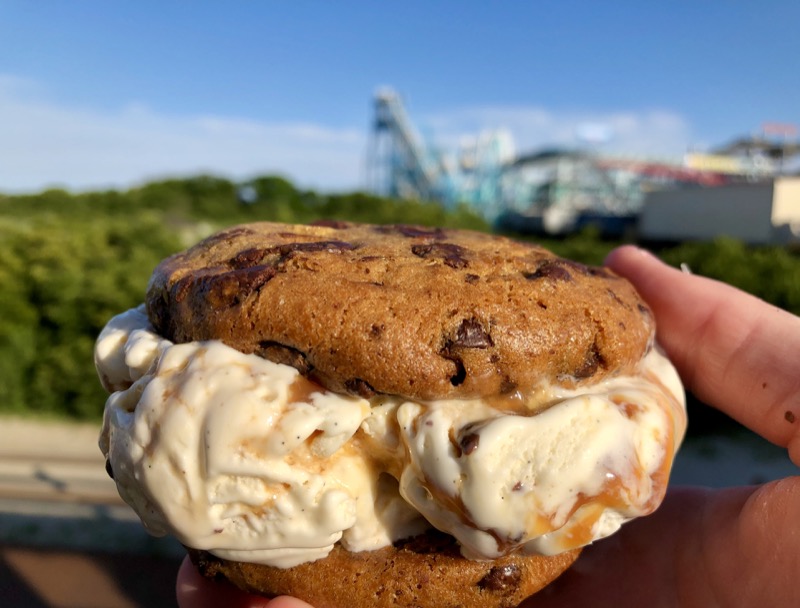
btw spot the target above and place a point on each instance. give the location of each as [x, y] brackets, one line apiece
[650, 133]
[47, 144]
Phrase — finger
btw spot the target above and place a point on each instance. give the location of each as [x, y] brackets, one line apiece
[195, 591]
[732, 350]
[737, 547]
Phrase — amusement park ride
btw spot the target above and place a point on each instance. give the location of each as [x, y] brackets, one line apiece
[552, 190]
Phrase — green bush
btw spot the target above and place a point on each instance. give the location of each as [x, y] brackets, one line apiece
[771, 273]
[61, 280]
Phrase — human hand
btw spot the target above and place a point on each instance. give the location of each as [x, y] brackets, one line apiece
[733, 547]
[736, 547]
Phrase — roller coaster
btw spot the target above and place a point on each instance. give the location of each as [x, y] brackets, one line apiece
[401, 164]
[552, 190]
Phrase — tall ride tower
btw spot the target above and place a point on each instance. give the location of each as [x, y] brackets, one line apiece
[398, 163]
[401, 164]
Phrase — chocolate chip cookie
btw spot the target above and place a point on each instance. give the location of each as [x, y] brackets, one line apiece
[424, 313]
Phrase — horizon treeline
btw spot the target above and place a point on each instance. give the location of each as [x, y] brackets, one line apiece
[70, 261]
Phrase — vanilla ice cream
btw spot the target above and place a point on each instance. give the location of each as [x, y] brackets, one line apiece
[247, 459]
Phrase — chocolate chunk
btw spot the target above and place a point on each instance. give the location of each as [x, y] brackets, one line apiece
[224, 289]
[288, 249]
[433, 542]
[286, 355]
[255, 256]
[359, 387]
[336, 224]
[247, 258]
[599, 271]
[455, 262]
[469, 443]
[559, 270]
[411, 231]
[226, 235]
[158, 312]
[450, 253]
[550, 269]
[591, 363]
[470, 334]
[507, 386]
[181, 288]
[471, 278]
[613, 295]
[458, 378]
[591, 271]
[501, 579]
[249, 280]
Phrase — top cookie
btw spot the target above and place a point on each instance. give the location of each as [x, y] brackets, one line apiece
[424, 313]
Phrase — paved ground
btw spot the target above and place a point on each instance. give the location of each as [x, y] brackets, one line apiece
[46, 578]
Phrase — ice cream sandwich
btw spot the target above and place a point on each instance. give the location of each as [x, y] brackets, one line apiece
[371, 415]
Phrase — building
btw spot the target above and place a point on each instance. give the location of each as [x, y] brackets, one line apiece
[761, 213]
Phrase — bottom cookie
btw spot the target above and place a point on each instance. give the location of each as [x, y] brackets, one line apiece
[426, 571]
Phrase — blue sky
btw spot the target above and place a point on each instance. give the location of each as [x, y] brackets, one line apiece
[97, 94]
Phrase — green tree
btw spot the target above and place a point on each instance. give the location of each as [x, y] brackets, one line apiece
[64, 278]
